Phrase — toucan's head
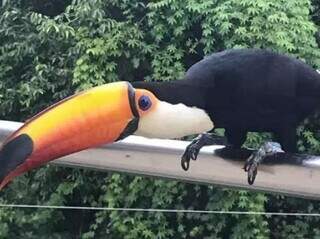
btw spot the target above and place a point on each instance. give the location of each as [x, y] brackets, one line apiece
[101, 115]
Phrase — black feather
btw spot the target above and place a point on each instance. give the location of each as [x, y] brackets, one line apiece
[248, 90]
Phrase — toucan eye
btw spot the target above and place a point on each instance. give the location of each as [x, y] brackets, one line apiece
[144, 103]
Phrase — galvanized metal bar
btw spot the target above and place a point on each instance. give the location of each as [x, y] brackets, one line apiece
[161, 158]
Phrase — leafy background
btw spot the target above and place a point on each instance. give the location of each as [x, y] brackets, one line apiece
[50, 49]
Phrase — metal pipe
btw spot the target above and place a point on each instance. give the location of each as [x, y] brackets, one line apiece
[161, 158]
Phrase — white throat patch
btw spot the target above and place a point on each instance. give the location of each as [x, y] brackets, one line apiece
[170, 121]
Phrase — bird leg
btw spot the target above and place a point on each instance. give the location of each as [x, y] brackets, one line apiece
[251, 165]
[194, 147]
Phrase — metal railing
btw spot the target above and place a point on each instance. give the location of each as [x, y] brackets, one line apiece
[161, 158]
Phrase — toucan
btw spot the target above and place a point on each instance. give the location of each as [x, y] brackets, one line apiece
[240, 90]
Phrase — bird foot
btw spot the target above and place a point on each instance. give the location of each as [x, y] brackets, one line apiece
[194, 147]
[252, 163]
[191, 152]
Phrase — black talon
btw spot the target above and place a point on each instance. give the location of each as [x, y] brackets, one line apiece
[249, 162]
[194, 147]
[185, 164]
[252, 173]
[252, 163]
[191, 152]
[188, 154]
[246, 165]
[194, 152]
[251, 167]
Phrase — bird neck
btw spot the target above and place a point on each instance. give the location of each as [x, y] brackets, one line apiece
[180, 111]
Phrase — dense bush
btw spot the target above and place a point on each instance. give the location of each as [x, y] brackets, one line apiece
[45, 58]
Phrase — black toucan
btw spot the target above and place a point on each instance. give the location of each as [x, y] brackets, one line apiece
[239, 90]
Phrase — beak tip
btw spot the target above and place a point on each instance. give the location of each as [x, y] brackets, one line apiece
[12, 155]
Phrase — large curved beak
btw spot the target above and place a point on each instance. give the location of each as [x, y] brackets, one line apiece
[103, 114]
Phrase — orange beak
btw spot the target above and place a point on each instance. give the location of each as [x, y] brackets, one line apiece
[101, 115]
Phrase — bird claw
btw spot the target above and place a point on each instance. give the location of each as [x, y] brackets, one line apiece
[251, 167]
[252, 163]
[191, 152]
[185, 163]
[194, 147]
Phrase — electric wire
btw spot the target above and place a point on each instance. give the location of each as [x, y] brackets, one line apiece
[156, 210]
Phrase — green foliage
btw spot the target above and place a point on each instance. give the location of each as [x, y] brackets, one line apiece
[281, 25]
[44, 59]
